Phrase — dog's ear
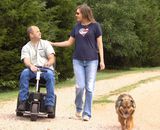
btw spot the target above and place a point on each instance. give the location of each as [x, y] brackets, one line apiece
[120, 96]
[133, 103]
[118, 103]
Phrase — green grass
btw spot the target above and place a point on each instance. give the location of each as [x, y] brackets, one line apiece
[67, 83]
[101, 75]
[105, 99]
[9, 95]
[107, 74]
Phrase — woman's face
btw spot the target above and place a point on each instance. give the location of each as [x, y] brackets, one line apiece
[79, 15]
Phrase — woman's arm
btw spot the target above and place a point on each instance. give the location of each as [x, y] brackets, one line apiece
[101, 53]
[67, 43]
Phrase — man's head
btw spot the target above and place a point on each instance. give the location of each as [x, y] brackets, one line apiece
[34, 33]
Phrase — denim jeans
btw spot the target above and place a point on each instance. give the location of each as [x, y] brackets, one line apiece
[27, 74]
[85, 73]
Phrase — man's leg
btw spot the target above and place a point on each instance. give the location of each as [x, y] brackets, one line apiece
[26, 75]
[50, 83]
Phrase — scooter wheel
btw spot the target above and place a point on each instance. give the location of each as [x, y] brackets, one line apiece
[19, 114]
[34, 112]
[51, 115]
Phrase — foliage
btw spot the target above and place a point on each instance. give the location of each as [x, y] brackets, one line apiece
[117, 20]
[131, 32]
[10, 65]
[64, 19]
[16, 16]
[5, 85]
[147, 29]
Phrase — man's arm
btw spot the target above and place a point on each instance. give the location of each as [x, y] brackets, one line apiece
[51, 60]
[25, 57]
[28, 64]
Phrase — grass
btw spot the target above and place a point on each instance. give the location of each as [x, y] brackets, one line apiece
[105, 99]
[101, 75]
[107, 74]
[9, 95]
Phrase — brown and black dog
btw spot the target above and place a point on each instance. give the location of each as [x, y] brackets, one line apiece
[125, 107]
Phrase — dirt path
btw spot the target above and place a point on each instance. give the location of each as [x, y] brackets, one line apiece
[147, 115]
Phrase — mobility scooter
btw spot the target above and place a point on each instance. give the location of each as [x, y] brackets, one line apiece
[35, 103]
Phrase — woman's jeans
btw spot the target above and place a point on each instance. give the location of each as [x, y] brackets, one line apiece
[27, 74]
[85, 73]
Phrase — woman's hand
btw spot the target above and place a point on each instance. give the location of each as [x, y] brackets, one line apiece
[67, 43]
[102, 66]
[52, 43]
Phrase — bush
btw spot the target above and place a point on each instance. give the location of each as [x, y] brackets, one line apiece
[5, 85]
[10, 65]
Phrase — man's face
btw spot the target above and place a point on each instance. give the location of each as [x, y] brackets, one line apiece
[35, 34]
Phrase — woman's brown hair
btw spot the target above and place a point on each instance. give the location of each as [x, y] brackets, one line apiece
[86, 12]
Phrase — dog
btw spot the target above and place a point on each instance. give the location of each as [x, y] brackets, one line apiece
[125, 108]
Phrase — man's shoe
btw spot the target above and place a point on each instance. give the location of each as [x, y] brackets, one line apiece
[49, 109]
[22, 106]
[86, 118]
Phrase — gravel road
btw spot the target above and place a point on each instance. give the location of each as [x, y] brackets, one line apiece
[146, 117]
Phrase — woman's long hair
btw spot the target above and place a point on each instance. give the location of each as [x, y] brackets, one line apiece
[86, 12]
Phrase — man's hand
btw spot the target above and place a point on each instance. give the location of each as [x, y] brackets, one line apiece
[47, 64]
[29, 64]
[33, 68]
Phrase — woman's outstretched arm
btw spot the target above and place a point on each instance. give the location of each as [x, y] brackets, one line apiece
[67, 43]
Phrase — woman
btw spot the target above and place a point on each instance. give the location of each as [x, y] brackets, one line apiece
[87, 36]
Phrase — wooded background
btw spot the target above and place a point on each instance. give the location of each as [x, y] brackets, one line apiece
[131, 33]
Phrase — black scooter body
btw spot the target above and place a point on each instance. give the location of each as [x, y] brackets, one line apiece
[35, 104]
[41, 99]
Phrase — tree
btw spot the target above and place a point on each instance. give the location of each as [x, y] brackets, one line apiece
[130, 31]
[55, 20]
[15, 16]
[148, 29]
[117, 20]
[62, 15]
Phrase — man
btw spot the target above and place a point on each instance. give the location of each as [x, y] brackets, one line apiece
[37, 52]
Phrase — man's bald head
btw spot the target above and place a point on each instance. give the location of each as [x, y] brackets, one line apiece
[30, 29]
[33, 32]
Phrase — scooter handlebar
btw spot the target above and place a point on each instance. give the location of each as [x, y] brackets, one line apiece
[42, 70]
